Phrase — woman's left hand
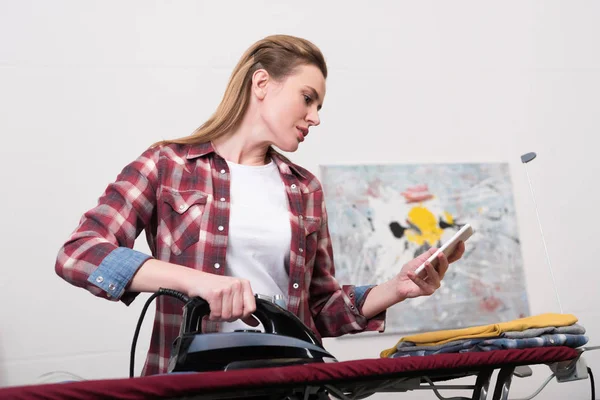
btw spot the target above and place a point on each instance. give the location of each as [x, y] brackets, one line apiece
[409, 285]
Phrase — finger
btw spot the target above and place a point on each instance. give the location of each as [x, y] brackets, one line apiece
[249, 304]
[226, 305]
[442, 266]
[458, 252]
[433, 275]
[215, 306]
[237, 308]
[426, 289]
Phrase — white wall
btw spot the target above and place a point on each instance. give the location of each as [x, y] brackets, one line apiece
[85, 86]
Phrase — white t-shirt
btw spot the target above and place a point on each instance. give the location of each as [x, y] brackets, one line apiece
[258, 247]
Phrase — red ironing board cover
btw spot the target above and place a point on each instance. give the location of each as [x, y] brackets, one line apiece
[171, 385]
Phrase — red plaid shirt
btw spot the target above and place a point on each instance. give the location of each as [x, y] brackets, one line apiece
[179, 194]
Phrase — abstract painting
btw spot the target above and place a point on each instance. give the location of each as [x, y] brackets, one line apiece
[381, 216]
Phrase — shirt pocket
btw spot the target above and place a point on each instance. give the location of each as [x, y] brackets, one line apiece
[181, 219]
[312, 225]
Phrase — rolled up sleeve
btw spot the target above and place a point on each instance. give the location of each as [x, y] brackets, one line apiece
[116, 271]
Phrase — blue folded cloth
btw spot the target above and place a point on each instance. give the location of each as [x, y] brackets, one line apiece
[497, 343]
[574, 329]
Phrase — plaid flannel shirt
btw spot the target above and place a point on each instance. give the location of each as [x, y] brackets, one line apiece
[179, 194]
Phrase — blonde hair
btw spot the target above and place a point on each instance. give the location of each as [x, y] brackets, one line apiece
[279, 55]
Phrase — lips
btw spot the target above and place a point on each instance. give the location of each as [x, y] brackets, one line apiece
[302, 132]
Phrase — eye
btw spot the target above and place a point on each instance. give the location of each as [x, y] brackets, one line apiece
[307, 99]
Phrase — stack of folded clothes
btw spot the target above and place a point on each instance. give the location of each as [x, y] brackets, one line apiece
[542, 330]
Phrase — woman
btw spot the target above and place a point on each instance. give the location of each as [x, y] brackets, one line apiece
[226, 216]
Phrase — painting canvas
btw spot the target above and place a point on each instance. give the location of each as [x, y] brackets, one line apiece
[381, 216]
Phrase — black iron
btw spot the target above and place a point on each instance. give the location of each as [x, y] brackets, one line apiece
[285, 341]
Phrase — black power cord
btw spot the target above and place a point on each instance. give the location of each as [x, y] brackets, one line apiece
[160, 292]
[592, 383]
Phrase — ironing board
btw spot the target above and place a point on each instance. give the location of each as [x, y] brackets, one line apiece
[347, 380]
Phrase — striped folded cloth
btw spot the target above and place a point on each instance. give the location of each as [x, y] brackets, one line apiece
[479, 345]
[437, 338]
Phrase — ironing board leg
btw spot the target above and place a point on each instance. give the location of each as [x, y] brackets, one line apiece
[503, 383]
[482, 384]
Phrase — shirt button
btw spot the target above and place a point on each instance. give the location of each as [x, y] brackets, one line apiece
[351, 294]
[352, 307]
[112, 286]
[300, 217]
[293, 186]
[220, 228]
[222, 171]
[217, 265]
[295, 286]
[222, 198]
[301, 250]
[99, 279]
[181, 207]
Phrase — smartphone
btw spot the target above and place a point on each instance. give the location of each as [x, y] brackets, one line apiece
[448, 248]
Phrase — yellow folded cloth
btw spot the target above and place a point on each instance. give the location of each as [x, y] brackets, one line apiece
[485, 331]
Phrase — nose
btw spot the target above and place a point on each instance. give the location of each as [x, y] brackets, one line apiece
[313, 117]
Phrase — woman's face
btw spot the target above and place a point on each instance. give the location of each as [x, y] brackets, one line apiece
[289, 108]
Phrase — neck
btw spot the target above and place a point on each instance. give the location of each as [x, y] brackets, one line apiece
[243, 145]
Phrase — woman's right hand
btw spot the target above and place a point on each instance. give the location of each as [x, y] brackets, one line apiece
[229, 298]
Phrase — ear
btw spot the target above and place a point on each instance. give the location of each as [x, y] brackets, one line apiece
[260, 79]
